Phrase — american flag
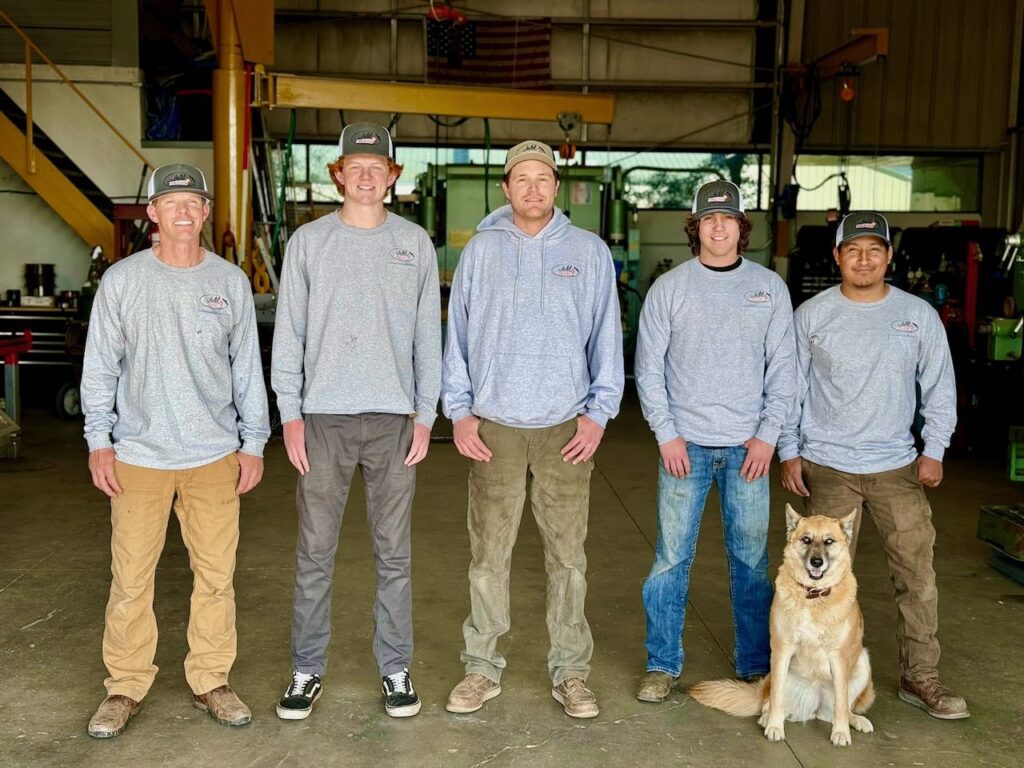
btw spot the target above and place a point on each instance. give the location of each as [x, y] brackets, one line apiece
[509, 54]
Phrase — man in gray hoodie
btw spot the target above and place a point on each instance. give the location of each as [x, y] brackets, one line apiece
[357, 372]
[533, 371]
[864, 350]
[175, 416]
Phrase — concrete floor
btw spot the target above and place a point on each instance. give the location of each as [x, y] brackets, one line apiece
[54, 576]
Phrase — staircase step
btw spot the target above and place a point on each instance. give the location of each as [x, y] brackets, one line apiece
[56, 155]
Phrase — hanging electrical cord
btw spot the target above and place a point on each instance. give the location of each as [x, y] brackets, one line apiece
[454, 124]
[801, 106]
[822, 183]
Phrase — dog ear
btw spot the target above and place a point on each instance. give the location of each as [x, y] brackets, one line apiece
[847, 523]
[792, 519]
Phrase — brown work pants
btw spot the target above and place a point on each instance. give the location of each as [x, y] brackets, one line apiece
[206, 504]
[899, 507]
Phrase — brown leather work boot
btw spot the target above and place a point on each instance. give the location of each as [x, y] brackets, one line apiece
[576, 699]
[223, 705]
[655, 686]
[471, 693]
[112, 716]
[934, 698]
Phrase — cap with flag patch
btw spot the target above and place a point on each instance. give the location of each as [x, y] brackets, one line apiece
[366, 139]
[862, 224]
[177, 177]
[530, 150]
[718, 196]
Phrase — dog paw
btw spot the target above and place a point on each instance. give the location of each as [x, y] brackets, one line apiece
[862, 724]
[775, 733]
[763, 720]
[841, 738]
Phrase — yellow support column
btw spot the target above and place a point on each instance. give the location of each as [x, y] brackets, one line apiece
[228, 132]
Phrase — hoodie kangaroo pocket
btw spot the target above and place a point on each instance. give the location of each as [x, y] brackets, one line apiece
[528, 388]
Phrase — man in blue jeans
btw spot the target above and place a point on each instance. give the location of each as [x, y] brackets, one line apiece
[715, 370]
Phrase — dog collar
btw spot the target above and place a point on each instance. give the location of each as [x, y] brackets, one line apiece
[813, 592]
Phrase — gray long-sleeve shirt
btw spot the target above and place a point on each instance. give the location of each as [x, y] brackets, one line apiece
[715, 358]
[534, 331]
[358, 321]
[172, 364]
[858, 364]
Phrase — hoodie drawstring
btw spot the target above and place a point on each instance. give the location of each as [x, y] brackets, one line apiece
[543, 245]
[519, 265]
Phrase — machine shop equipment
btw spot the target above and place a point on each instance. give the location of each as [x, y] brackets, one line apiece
[451, 200]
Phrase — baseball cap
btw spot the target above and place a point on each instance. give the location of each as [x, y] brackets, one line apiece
[177, 177]
[861, 224]
[530, 150]
[718, 196]
[366, 139]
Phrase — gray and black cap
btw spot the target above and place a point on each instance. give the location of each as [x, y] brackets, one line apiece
[718, 196]
[366, 139]
[862, 224]
[177, 177]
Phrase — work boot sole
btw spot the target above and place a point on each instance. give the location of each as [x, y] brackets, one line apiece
[919, 703]
[652, 698]
[463, 709]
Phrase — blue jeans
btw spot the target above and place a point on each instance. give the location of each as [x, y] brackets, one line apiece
[745, 522]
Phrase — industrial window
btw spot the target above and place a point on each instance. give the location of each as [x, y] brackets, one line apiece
[669, 180]
[890, 182]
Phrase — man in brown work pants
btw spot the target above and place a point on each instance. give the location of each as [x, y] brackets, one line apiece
[175, 414]
[864, 351]
[560, 500]
[532, 373]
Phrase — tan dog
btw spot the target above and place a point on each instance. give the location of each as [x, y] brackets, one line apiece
[820, 668]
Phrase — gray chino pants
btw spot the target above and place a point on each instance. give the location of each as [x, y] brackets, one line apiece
[377, 443]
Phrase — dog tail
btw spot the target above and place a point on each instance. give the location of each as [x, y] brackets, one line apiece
[730, 696]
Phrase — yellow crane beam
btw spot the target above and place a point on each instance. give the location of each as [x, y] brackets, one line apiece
[283, 90]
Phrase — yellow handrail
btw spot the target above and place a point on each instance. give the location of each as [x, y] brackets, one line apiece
[31, 46]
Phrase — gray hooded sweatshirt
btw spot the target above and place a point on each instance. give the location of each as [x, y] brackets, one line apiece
[534, 329]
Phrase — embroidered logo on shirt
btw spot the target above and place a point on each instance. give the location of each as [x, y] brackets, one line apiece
[565, 270]
[758, 297]
[402, 256]
[905, 326]
[214, 302]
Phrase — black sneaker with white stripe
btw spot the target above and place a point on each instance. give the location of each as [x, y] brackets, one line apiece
[400, 699]
[297, 702]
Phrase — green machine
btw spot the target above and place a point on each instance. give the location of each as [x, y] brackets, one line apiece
[453, 199]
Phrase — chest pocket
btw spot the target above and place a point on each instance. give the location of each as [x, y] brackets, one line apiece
[902, 349]
[399, 281]
[213, 328]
